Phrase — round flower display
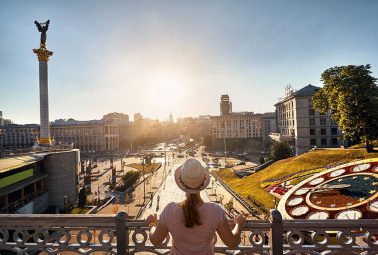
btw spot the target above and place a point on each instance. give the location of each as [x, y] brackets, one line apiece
[295, 201]
[300, 210]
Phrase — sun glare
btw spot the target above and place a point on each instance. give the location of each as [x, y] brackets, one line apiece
[165, 92]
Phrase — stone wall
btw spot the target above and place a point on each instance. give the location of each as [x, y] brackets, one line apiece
[62, 169]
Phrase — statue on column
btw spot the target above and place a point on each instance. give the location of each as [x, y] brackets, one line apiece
[43, 27]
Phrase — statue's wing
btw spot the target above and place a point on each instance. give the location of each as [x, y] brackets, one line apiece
[38, 25]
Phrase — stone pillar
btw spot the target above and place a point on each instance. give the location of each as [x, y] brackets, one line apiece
[43, 57]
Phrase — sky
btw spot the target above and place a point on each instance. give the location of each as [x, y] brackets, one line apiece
[157, 57]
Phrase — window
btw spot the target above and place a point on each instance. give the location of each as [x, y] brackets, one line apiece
[312, 131]
[323, 122]
[312, 122]
[334, 141]
[323, 131]
[333, 131]
[311, 112]
[323, 141]
[313, 142]
[310, 103]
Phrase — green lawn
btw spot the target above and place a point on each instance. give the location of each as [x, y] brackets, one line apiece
[251, 185]
[148, 168]
[80, 210]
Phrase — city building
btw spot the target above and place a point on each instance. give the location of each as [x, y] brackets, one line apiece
[300, 125]
[14, 136]
[32, 183]
[243, 125]
[88, 136]
[237, 125]
[137, 117]
[225, 105]
[268, 124]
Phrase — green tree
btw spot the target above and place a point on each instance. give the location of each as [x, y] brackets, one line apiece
[229, 206]
[82, 197]
[129, 179]
[279, 150]
[208, 141]
[350, 92]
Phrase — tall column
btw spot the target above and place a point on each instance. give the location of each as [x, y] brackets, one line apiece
[43, 57]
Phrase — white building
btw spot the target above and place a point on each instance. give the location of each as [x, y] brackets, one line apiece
[301, 126]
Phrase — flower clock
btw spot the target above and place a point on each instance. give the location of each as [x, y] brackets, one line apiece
[349, 191]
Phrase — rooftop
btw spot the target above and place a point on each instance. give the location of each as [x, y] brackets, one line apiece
[7, 164]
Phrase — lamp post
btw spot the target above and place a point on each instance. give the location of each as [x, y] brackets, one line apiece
[144, 181]
[224, 141]
[65, 203]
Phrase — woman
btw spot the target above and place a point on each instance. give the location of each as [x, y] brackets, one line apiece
[192, 223]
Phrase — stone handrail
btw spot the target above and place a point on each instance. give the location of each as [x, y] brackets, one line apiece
[114, 234]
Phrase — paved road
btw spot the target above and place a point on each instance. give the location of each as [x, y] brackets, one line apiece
[168, 192]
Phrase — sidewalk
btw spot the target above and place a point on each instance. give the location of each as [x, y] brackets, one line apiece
[153, 182]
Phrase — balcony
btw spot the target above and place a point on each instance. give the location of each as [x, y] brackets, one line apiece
[114, 234]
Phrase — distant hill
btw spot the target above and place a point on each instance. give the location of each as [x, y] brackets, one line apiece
[294, 168]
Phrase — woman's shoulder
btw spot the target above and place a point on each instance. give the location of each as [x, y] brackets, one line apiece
[171, 206]
[213, 206]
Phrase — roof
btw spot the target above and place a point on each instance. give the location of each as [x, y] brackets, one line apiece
[309, 90]
[7, 164]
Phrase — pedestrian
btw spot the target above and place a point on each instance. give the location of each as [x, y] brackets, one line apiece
[192, 222]
[158, 198]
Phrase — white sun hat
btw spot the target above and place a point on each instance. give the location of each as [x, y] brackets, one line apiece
[192, 177]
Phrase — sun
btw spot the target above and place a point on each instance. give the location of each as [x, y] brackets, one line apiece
[165, 92]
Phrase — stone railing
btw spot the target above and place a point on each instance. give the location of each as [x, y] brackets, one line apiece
[114, 234]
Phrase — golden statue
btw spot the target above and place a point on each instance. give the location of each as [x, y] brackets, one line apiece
[43, 27]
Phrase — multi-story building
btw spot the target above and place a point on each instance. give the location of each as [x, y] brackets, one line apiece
[301, 126]
[88, 136]
[240, 124]
[225, 105]
[32, 183]
[18, 136]
[237, 125]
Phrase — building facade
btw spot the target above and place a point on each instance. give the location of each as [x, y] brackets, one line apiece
[225, 105]
[18, 136]
[32, 183]
[237, 125]
[303, 127]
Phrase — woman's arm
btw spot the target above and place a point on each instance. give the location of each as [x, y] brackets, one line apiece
[158, 231]
[231, 238]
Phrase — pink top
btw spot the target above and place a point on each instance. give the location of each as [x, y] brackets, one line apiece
[197, 240]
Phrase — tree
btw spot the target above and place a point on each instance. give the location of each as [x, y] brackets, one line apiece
[351, 94]
[129, 179]
[208, 141]
[229, 206]
[279, 150]
[82, 196]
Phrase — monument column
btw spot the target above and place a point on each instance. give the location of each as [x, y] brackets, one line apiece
[43, 57]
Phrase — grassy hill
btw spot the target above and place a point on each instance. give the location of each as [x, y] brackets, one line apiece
[306, 164]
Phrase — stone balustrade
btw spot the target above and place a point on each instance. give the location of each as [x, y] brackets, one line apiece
[114, 234]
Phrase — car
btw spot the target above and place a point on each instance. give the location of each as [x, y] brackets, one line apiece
[180, 156]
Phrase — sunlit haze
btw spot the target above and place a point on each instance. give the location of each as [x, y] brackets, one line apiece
[157, 57]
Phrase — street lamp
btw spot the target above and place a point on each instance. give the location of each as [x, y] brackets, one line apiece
[65, 198]
[224, 141]
[144, 183]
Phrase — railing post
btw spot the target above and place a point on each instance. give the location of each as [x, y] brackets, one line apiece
[122, 233]
[276, 233]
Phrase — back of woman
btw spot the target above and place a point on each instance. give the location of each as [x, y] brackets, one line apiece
[193, 223]
[199, 238]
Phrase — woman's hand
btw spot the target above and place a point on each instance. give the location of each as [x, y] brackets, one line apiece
[240, 220]
[152, 218]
